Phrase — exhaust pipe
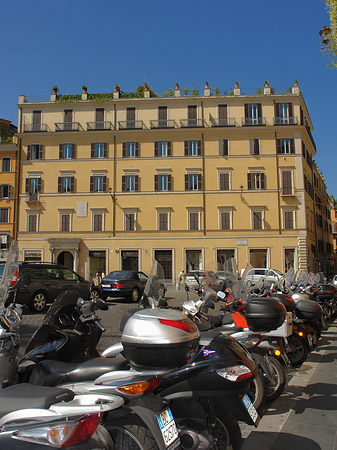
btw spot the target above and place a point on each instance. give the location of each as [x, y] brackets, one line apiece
[191, 440]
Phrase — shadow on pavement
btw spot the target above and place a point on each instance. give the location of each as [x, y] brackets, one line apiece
[278, 441]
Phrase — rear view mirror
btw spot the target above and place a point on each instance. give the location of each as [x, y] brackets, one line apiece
[101, 304]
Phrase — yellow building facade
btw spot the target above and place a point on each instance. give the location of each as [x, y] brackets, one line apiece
[111, 182]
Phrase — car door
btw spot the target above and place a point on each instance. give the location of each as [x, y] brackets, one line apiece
[54, 281]
[73, 281]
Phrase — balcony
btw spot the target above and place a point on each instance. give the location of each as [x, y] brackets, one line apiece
[192, 123]
[35, 127]
[285, 121]
[162, 123]
[310, 136]
[32, 197]
[254, 122]
[67, 126]
[130, 125]
[92, 126]
[224, 122]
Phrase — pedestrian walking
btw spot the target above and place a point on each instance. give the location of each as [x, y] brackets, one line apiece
[180, 278]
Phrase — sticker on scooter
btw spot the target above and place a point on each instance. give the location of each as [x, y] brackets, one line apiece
[208, 352]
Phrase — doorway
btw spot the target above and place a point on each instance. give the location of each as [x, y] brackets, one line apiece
[66, 259]
[129, 259]
[164, 257]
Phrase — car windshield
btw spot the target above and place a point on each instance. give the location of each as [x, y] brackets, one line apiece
[120, 274]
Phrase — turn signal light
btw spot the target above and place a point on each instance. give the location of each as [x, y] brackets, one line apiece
[300, 333]
[277, 352]
[235, 373]
[141, 387]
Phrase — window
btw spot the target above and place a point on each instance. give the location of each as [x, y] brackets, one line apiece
[66, 184]
[284, 113]
[193, 220]
[225, 220]
[285, 146]
[192, 148]
[32, 222]
[222, 115]
[193, 182]
[288, 220]
[34, 151]
[6, 164]
[162, 116]
[67, 151]
[65, 221]
[254, 146]
[163, 221]
[99, 150]
[68, 119]
[5, 190]
[287, 182]
[37, 121]
[253, 114]
[4, 241]
[192, 114]
[131, 117]
[289, 259]
[257, 219]
[33, 187]
[98, 183]
[256, 180]
[99, 118]
[258, 257]
[162, 148]
[130, 183]
[97, 221]
[130, 149]
[129, 221]
[223, 147]
[224, 181]
[4, 215]
[162, 182]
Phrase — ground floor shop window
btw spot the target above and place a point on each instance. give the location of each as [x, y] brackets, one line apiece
[258, 257]
[32, 255]
[289, 259]
[164, 257]
[97, 263]
[130, 259]
[193, 260]
[223, 255]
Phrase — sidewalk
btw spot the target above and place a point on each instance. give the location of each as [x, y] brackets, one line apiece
[305, 416]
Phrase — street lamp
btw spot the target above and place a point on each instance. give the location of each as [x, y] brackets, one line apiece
[325, 35]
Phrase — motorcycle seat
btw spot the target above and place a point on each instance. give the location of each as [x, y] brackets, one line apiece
[53, 373]
[23, 396]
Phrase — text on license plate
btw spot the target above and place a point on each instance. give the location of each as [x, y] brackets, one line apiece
[167, 426]
[250, 408]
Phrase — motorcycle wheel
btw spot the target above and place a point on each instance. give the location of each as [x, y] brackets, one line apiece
[279, 376]
[298, 350]
[226, 433]
[127, 435]
[258, 392]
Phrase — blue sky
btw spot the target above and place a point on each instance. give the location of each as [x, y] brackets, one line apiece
[104, 42]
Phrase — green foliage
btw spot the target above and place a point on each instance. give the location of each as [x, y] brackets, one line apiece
[168, 93]
[100, 97]
[55, 88]
[331, 48]
[195, 92]
[6, 133]
[259, 91]
[216, 91]
[67, 98]
[186, 91]
[231, 92]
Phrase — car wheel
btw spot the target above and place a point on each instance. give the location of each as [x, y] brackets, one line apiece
[135, 295]
[38, 302]
[94, 294]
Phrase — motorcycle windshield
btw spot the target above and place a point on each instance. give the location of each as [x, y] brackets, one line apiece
[9, 271]
[44, 341]
[154, 288]
[65, 302]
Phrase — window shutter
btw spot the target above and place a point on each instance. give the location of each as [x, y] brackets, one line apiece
[223, 147]
[73, 151]
[124, 149]
[59, 184]
[278, 146]
[104, 183]
[225, 221]
[290, 109]
[92, 186]
[29, 152]
[156, 148]
[40, 151]
[156, 182]
[137, 183]
[169, 148]
[277, 110]
[246, 111]
[169, 182]
[224, 181]
[256, 146]
[186, 148]
[27, 185]
[259, 111]
[199, 148]
[123, 183]
[249, 178]
[105, 150]
[9, 191]
[286, 182]
[92, 150]
[72, 184]
[137, 149]
[61, 151]
[199, 182]
[186, 182]
[39, 184]
[263, 181]
[292, 146]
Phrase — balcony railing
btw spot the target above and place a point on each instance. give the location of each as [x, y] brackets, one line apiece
[222, 122]
[310, 136]
[34, 127]
[130, 124]
[285, 121]
[33, 197]
[67, 126]
[99, 126]
[192, 123]
[162, 124]
[251, 122]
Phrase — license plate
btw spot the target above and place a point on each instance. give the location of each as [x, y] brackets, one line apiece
[250, 408]
[167, 427]
[106, 285]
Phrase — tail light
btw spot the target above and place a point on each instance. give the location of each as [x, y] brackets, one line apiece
[185, 325]
[300, 333]
[118, 286]
[15, 277]
[235, 373]
[141, 387]
[62, 435]
[277, 352]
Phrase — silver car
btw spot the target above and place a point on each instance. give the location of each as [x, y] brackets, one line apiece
[195, 277]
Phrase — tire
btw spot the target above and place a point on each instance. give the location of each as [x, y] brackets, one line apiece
[258, 392]
[227, 433]
[94, 294]
[131, 434]
[135, 295]
[298, 350]
[38, 302]
[279, 375]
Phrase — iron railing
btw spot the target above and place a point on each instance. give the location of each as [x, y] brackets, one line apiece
[251, 122]
[192, 123]
[99, 126]
[130, 125]
[162, 123]
[224, 122]
[34, 127]
[285, 121]
[67, 126]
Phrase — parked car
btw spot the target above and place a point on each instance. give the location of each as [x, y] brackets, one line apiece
[41, 283]
[254, 275]
[192, 277]
[334, 280]
[123, 283]
[2, 266]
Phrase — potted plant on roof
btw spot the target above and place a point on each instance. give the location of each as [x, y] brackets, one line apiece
[84, 89]
[117, 88]
[55, 90]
